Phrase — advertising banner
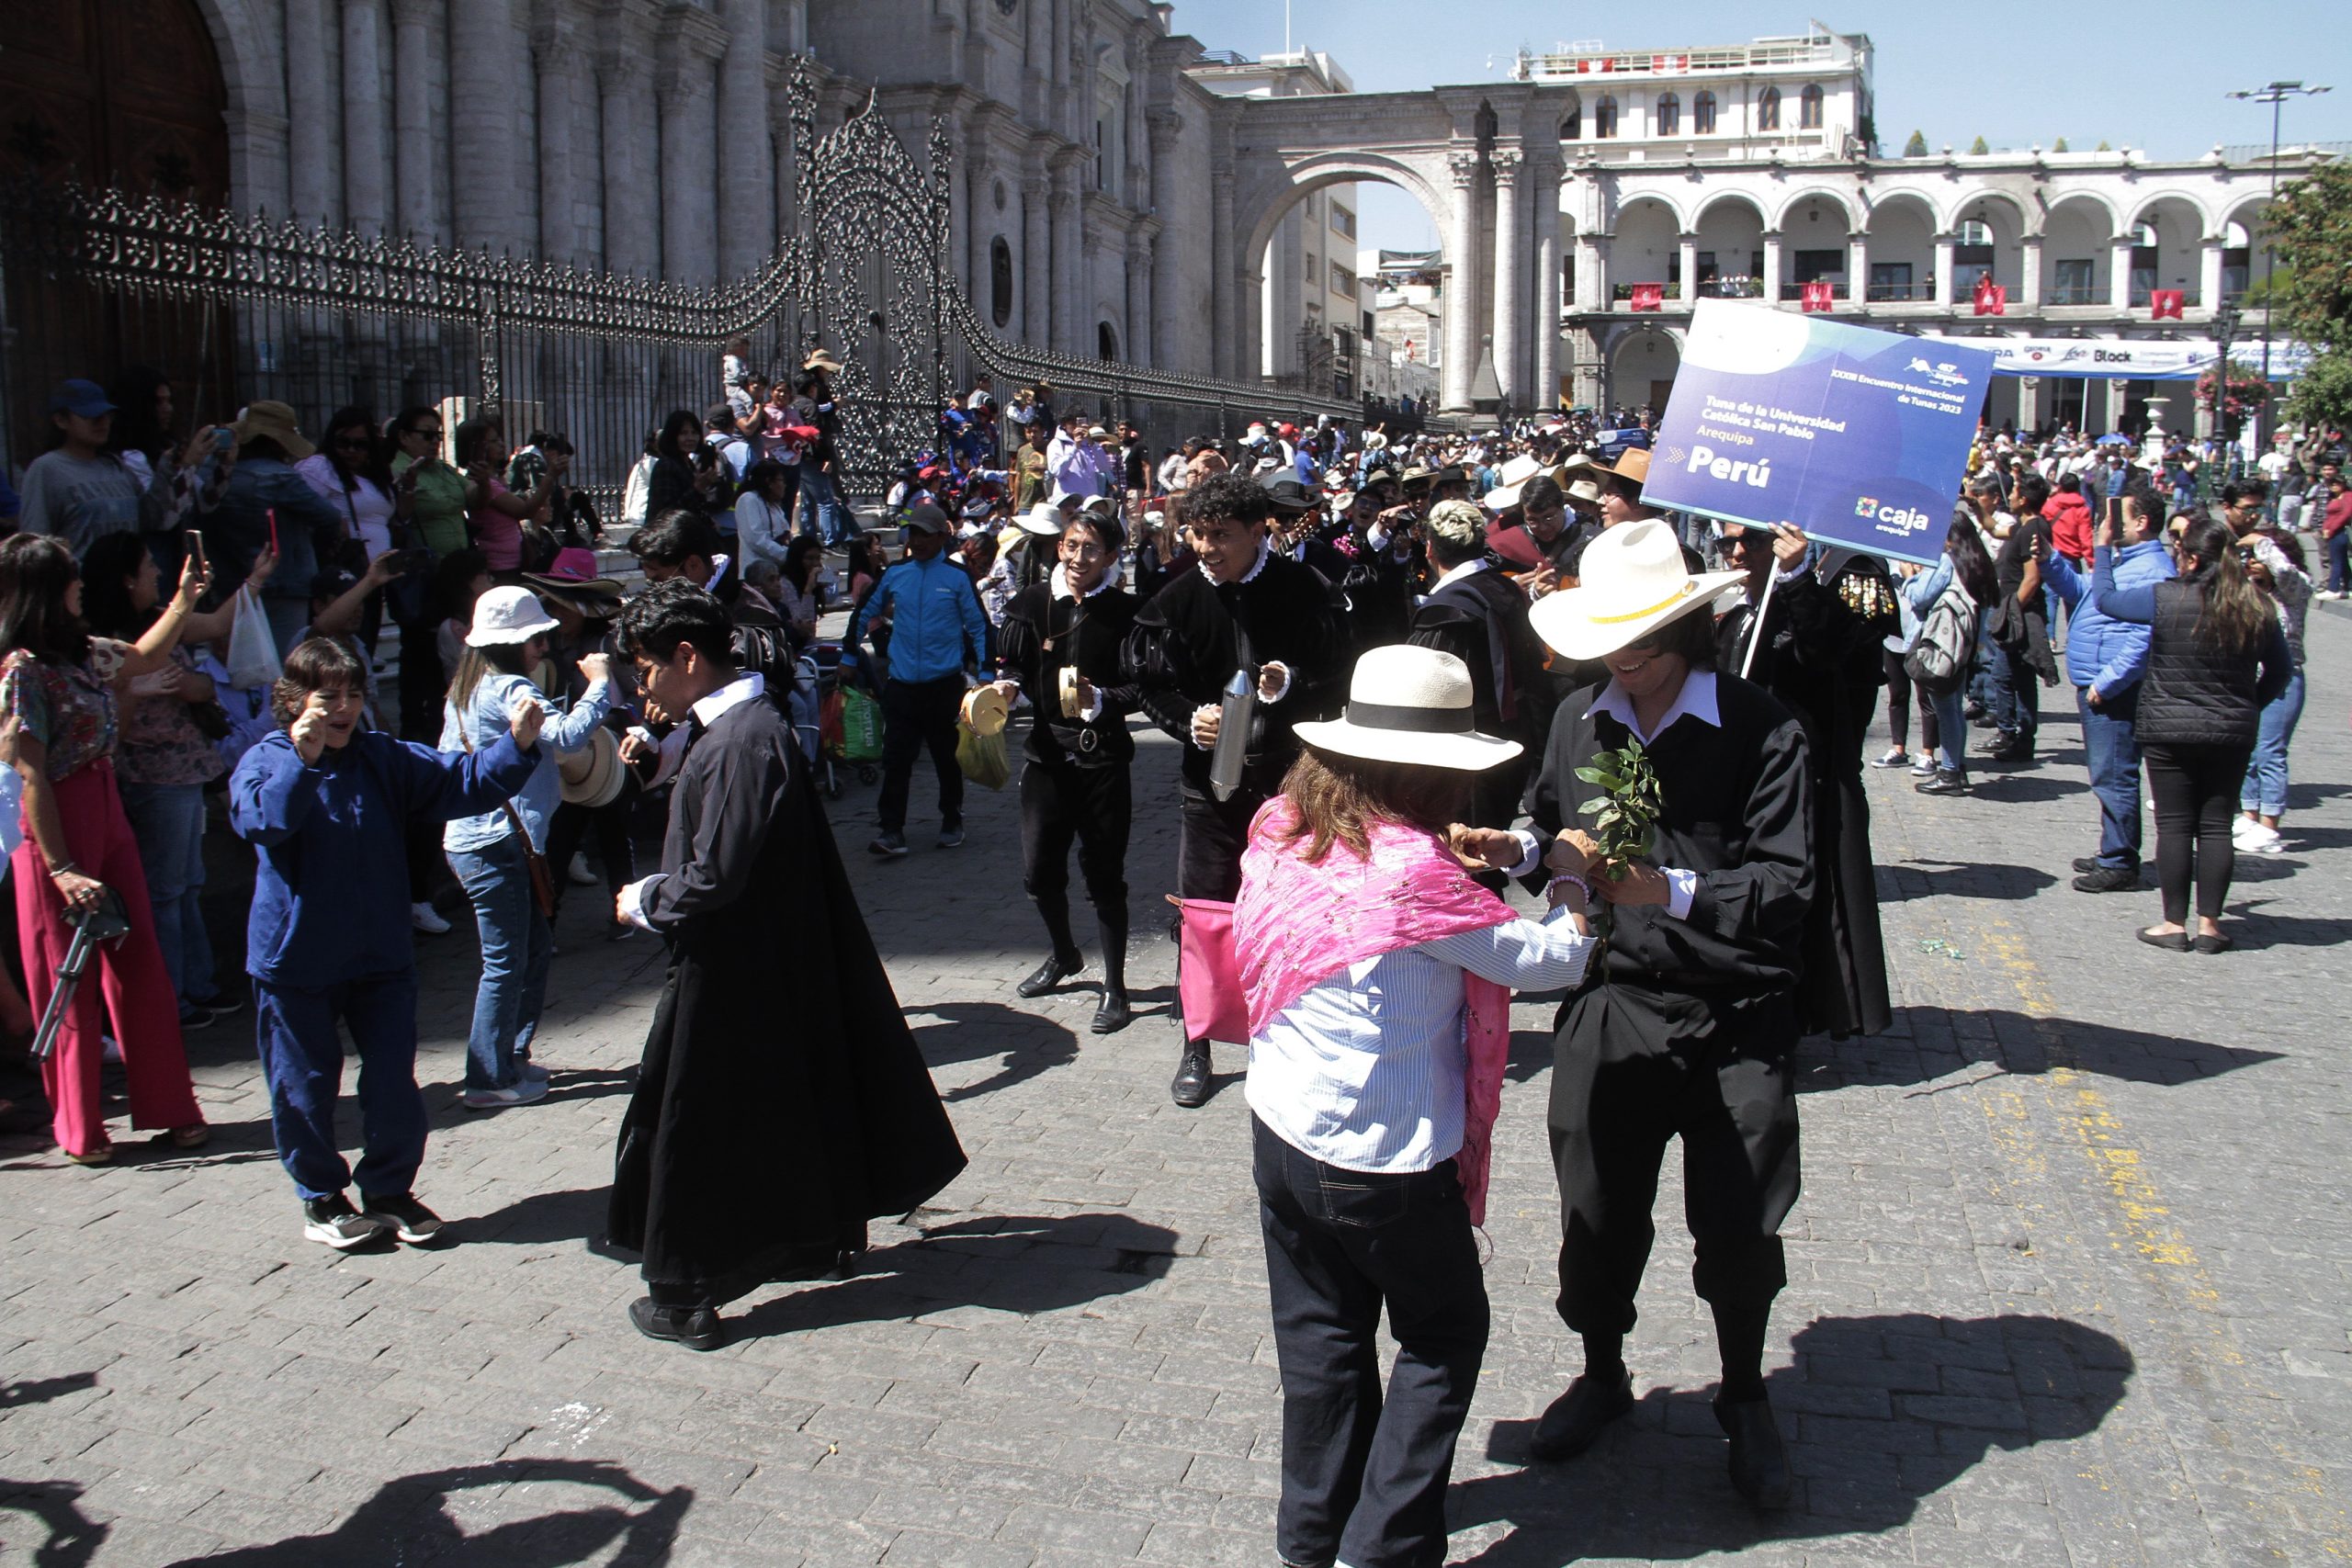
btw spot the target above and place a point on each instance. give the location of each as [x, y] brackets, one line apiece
[2134, 359]
[1857, 436]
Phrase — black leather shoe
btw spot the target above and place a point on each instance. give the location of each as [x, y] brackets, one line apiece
[697, 1328]
[1050, 973]
[2108, 879]
[2086, 864]
[1112, 1015]
[1578, 1416]
[1760, 1461]
[1190, 1087]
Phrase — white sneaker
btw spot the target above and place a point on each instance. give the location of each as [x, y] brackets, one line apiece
[2276, 844]
[424, 918]
[525, 1091]
[580, 873]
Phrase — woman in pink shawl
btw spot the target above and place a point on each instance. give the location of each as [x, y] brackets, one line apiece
[1378, 978]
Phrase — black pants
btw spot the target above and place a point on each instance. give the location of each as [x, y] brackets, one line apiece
[916, 714]
[2017, 694]
[1210, 836]
[1062, 802]
[423, 680]
[1365, 1479]
[2194, 789]
[607, 825]
[1622, 1088]
[1898, 703]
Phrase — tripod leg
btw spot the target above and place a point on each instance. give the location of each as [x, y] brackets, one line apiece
[60, 996]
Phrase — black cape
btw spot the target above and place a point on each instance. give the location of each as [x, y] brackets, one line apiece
[1821, 656]
[781, 1102]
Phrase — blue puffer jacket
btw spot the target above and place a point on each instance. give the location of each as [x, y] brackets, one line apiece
[2103, 653]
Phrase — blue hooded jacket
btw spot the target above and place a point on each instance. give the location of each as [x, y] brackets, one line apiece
[2103, 653]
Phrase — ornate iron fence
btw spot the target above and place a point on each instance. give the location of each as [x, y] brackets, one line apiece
[231, 309]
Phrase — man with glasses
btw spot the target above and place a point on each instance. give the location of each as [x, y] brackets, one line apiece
[1059, 643]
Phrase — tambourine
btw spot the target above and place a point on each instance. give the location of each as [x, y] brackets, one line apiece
[985, 711]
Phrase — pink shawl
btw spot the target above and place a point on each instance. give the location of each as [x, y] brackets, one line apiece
[1296, 925]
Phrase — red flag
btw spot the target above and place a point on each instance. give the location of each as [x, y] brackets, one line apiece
[1649, 297]
[2166, 303]
[1992, 300]
[1818, 297]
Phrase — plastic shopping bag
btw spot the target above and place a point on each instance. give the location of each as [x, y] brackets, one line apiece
[983, 758]
[861, 727]
[253, 652]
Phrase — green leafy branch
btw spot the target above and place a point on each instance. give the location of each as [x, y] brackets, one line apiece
[1624, 815]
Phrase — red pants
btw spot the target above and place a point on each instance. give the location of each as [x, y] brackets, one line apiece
[128, 975]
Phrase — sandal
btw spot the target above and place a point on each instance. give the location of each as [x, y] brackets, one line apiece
[102, 1154]
[195, 1135]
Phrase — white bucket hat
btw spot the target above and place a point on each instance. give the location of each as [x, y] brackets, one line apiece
[1631, 580]
[508, 615]
[1410, 704]
[1515, 475]
[1045, 518]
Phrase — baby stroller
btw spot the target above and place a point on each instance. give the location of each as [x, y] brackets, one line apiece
[850, 722]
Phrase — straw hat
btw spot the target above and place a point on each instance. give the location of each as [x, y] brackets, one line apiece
[823, 359]
[277, 421]
[592, 775]
[1632, 464]
[1410, 704]
[1631, 580]
[1045, 519]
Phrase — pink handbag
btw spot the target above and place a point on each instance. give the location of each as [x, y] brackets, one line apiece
[1208, 976]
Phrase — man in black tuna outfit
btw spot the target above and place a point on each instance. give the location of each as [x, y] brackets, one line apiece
[760, 1139]
[1076, 784]
[1687, 1028]
[1244, 607]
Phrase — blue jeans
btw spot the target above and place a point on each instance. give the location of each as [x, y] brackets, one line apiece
[1951, 728]
[2016, 693]
[515, 947]
[820, 506]
[1363, 1479]
[167, 820]
[2266, 777]
[2112, 741]
[302, 1055]
[2339, 561]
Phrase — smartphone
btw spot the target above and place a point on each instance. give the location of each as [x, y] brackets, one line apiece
[223, 438]
[2115, 512]
[195, 553]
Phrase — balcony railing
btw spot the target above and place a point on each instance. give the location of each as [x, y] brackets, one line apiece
[2075, 294]
[1732, 288]
[1794, 292]
[1899, 293]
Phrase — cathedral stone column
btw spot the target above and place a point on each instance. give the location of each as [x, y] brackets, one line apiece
[747, 222]
[683, 86]
[1036, 255]
[310, 108]
[624, 69]
[1069, 263]
[559, 60]
[366, 205]
[1546, 174]
[1461, 285]
[1163, 126]
[414, 185]
[482, 55]
[1510, 266]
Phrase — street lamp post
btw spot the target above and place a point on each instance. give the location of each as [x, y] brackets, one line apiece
[2276, 94]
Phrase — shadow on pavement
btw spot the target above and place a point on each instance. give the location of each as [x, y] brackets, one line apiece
[1879, 1413]
[1985, 783]
[72, 1539]
[410, 1521]
[1960, 879]
[1010, 1263]
[1919, 1049]
[2256, 928]
[1027, 1043]
[41, 1391]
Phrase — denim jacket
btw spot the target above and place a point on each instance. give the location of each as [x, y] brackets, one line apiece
[484, 720]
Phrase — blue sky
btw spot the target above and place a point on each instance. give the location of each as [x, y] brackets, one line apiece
[2152, 77]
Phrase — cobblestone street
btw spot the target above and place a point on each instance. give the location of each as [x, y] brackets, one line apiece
[2065, 1284]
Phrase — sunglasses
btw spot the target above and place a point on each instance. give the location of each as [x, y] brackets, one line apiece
[431, 435]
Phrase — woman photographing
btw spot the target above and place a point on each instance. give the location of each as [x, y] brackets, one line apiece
[1378, 977]
[2217, 656]
[59, 724]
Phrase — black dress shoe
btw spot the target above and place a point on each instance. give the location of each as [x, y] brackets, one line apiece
[697, 1328]
[2171, 941]
[1760, 1461]
[2087, 863]
[2108, 879]
[1112, 1015]
[1050, 973]
[1190, 1087]
[2209, 945]
[1578, 1416]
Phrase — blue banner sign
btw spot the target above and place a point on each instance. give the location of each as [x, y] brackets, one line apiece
[1859, 437]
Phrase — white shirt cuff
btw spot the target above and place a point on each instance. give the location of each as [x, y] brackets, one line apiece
[1280, 690]
[632, 901]
[1530, 853]
[1092, 710]
[1681, 887]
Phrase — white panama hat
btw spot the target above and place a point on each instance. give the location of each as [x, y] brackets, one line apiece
[1514, 478]
[1631, 580]
[506, 615]
[1409, 705]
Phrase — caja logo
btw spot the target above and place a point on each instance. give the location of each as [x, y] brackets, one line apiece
[1908, 519]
